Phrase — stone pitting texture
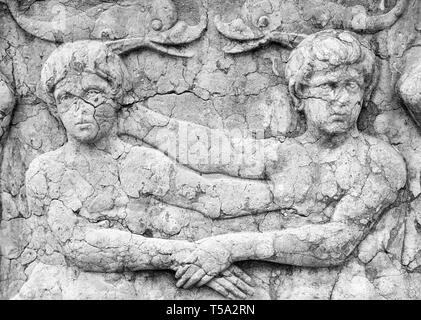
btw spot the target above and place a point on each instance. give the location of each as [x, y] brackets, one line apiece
[210, 149]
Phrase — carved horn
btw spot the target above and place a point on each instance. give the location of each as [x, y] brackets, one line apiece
[361, 22]
[237, 30]
[45, 30]
[126, 45]
[285, 39]
[181, 32]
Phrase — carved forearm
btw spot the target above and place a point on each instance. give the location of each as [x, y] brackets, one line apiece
[148, 172]
[308, 246]
[199, 148]
[219, 197]
[315, 245]
[96, 247]
[108, 250]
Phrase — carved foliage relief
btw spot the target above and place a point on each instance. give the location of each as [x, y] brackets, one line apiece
[207, 149]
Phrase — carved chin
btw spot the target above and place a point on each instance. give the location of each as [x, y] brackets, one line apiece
[337, 127]
[85, 134]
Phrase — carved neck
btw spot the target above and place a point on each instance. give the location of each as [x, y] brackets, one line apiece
[328, 141]
[106, 144]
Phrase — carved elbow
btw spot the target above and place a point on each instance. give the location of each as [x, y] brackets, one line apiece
[337, 249]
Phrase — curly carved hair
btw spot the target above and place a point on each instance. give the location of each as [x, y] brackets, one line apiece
[327, 50]
[89, 57]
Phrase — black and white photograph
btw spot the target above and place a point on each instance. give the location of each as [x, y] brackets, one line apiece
[210, 150]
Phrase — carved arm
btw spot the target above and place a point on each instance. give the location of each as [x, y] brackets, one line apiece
[313, 245]
[148, 172]
[200, 148]
[93, 246]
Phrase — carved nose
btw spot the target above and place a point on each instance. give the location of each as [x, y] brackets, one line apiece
[82, 107]
[341, 96]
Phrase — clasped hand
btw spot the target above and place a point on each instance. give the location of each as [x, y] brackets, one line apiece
[210, 264]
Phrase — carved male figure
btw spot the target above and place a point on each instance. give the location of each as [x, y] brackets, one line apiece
[80, 195]
[336, 177]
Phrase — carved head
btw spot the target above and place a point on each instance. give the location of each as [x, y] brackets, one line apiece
[330, 75]
[85, 84]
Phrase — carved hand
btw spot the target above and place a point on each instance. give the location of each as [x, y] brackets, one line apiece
[209, 259]
[232, 283]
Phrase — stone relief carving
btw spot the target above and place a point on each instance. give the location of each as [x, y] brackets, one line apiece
[76, 189]
[134, 199]
[319, 175]
[154, 25]
[261, 22]
[102, 20]
[409, 88]
[344, 190]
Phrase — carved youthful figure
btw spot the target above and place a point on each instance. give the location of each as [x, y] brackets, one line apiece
[80, 195]
[338, 177]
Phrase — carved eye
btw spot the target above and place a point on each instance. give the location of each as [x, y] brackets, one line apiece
[66, 97]
[352, 85]
[156, 24]
[105, 34]
[92, 91]
[263, 22]
[327, 86]
[94, 95]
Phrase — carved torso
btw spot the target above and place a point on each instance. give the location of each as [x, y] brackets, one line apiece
[110, 189]
[313, 180]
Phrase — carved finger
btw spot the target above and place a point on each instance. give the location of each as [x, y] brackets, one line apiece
[240, 284]
[242, 275]
[195, 279]
[187, 275]
[214, 284]
[181, 270]
[204, 280]
[231, 288]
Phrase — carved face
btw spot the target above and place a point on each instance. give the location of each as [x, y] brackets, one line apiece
[332, 100]
[85, 107]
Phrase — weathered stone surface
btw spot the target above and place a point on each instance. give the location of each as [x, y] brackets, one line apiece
[194, 149]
